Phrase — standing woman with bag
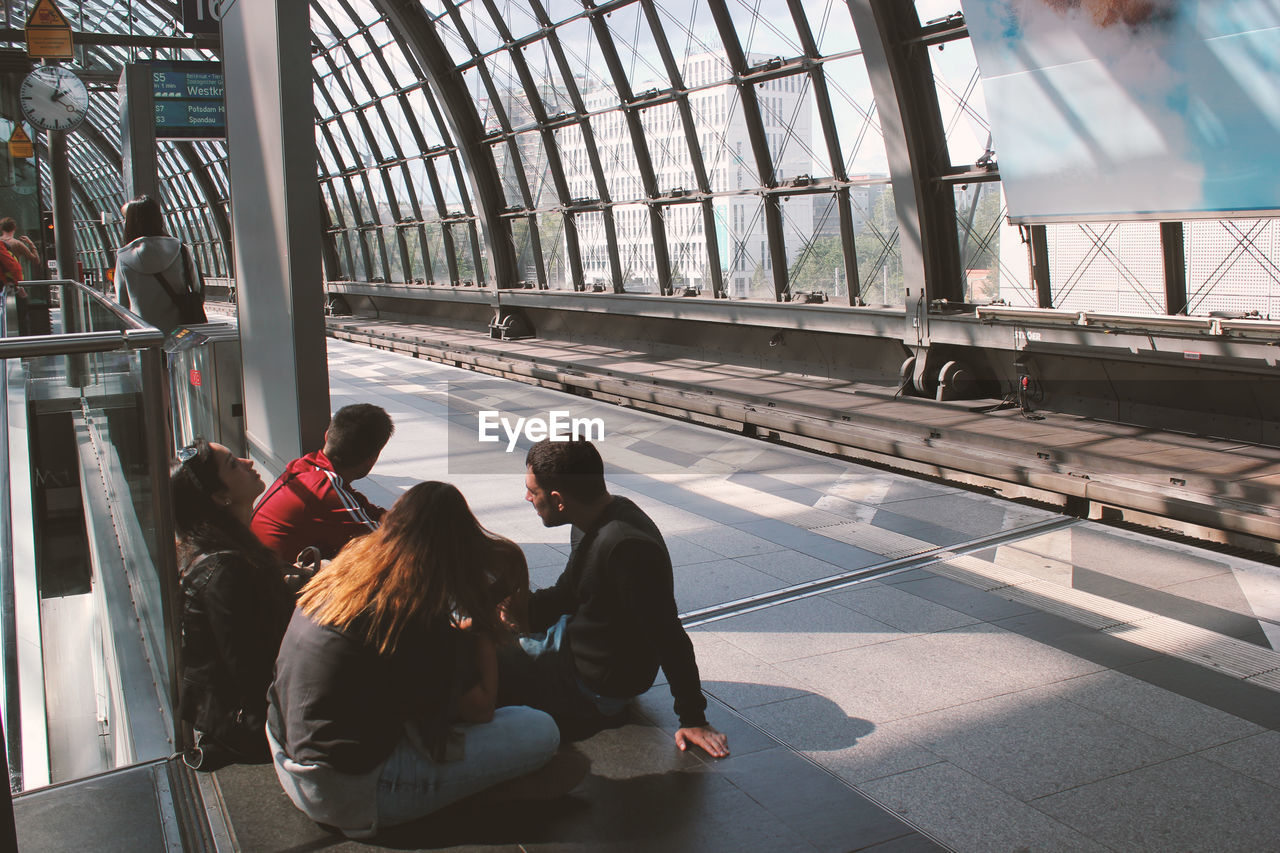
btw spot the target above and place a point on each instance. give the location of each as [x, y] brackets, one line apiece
[156, 277]
[235, 606]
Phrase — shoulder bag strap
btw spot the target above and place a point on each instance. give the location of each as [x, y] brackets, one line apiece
[194, 282]
[164, 282]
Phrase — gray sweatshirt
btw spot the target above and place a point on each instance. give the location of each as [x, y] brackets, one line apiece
[137, 287]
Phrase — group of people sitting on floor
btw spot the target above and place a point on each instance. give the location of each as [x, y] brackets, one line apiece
[389, 663]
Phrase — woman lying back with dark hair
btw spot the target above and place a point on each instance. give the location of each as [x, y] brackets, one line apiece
[235, 605]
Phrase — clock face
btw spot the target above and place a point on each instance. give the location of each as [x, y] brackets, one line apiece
[54, 98]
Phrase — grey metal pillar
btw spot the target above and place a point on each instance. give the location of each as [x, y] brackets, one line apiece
[901, 78]
[64, 229]
[138, 132]
[159, 444]
[1038, 249]
[418, 34]
[1173, 247]
[275, 219]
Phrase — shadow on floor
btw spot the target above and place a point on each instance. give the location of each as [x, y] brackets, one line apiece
[642, 794]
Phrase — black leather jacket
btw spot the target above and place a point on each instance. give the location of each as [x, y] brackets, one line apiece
[233, 615]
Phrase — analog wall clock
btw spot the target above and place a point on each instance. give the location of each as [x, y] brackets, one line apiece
[54, 98]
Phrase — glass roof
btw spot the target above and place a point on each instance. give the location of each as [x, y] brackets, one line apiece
[717, 148]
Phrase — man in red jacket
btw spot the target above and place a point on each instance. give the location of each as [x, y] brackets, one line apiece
[312, 502]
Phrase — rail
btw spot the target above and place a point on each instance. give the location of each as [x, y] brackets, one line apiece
[112, 384]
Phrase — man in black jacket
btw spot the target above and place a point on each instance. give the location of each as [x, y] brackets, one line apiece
[610, 620]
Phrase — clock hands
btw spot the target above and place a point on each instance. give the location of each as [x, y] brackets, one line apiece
[57, 96]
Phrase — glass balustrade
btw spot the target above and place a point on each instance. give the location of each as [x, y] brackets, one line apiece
[86, 558]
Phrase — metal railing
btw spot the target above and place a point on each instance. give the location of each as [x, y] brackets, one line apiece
[106, 368]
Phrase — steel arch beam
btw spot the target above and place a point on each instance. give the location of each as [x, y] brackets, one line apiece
[771, 203]
[459, 108]
[200, 173]
[639, 145]
[831, 136]
[681, 96]
[911, 121]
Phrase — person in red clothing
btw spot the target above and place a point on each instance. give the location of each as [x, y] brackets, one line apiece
[312, 503]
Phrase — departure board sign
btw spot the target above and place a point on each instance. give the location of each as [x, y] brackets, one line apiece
[189, 100]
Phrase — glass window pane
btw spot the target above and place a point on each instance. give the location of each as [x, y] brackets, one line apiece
[554, 259]
[691, 32]
[668, 148]
[454, 46]
[858, 126]
[722, 132]
[744, 247]
[422, 182]
[1009, 279]
[687, 245]
[412, 236]
[637, 50]
[635, 249]
[381, 143]
[983, 231]
[467, 265]
[765, 29]
[559, 10]
[546, 75]
[832, 26]
[792, 128]
[533, 156]
[960, 100]
[509, 92]
[932, 10]
[436, 251]
[508, 165]
[451, 191]
[820, 264]
[596, 271]
[1107, 266]
[420, 106]
[479, 23]
[577, 169]
[813, 259]
[578, 41]
[389, 238]
[875, 238]
[400, 188]
[526, 261]
[617, 156]
[519, 18]
[1231, 267]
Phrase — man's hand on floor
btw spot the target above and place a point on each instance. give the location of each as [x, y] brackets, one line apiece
[713, 743]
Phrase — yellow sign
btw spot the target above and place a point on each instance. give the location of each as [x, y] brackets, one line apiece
[48, 32]
[20, 144]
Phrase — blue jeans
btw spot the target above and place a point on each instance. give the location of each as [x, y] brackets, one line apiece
[540, 672]
[410, 785]
[516, 742]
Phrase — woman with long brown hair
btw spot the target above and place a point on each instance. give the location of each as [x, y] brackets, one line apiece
[154, 270]
[382, 709]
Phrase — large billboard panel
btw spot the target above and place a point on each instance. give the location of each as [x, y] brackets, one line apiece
[1132, 109]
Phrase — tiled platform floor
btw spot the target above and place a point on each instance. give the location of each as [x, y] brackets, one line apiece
[998, 678]
[987, 722]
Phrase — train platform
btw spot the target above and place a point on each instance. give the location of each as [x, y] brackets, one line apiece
[901, 664]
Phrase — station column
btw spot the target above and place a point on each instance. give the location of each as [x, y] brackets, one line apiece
[275, 218]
